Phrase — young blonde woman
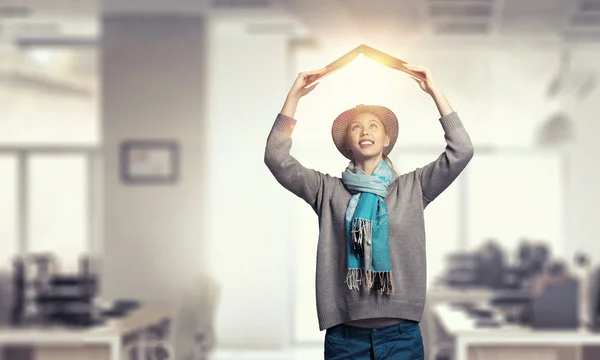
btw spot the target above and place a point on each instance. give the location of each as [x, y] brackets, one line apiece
[371, 261]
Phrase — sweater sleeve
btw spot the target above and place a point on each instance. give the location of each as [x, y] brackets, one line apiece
[304, 183]
[436, 176]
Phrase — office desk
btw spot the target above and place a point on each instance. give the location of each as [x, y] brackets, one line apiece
[433, 335]
[97, 343]
[438, 293]
[511, 341]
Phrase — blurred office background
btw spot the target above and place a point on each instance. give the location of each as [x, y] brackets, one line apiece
[94, 93]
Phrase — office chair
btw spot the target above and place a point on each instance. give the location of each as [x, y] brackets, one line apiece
[194, 335]
[149, 344]
[149, 350]
[442, 352]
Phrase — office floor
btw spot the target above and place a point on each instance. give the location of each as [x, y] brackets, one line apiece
[294, 354]
[317, 354]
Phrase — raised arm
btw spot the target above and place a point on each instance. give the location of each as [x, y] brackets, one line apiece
[436, 176]
[303, 182]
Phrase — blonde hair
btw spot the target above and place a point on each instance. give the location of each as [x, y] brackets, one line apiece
[389, 162]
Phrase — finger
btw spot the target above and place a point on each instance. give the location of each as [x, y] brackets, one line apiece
[311, 88]
[302, 75]
[311, 73]
[308, 89]
[314, 72]
[422, 69]
[425, 72]
[309, 81]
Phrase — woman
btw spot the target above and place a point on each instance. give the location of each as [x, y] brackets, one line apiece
[371, 268]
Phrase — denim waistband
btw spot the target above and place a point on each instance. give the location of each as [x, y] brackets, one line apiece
[349, 331]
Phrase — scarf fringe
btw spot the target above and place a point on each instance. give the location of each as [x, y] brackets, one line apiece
[378, 280]
[362, 231]
[354, 278]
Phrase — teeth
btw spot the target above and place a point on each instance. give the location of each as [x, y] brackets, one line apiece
[366, 142]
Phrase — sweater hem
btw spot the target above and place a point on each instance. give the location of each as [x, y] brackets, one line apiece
[368, 310]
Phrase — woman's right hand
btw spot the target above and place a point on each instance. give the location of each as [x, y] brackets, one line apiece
[299, 88]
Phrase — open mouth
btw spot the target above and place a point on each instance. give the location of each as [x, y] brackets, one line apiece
[365, 144]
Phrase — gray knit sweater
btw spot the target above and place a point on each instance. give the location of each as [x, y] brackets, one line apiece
[407, 198]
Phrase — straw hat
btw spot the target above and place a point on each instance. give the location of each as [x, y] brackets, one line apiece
[338, 129]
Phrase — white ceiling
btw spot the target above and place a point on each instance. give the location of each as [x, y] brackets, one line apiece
[47, 19]
[572, 18]
[575, 19]
[62, 7]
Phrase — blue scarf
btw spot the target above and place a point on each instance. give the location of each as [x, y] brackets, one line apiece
[367, 228]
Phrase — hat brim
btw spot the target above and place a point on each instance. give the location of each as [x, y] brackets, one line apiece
[340, 124]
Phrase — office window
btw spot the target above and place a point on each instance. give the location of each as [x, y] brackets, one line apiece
[50, 99]
[49, 96]
[9, 187]
[58, 206]
[511, 196]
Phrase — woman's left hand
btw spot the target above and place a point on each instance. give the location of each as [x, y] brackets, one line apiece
[429, 85]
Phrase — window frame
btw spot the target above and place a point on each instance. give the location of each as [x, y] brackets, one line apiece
[93, 158]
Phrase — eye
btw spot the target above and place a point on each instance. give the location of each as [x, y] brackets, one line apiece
[354, 127]
[373, 126]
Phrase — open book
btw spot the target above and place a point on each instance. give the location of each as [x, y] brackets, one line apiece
[371, 53]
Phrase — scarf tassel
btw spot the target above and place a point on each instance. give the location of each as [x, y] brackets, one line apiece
[354, 278]
[361, 234]
[377, 280]
[380, 280]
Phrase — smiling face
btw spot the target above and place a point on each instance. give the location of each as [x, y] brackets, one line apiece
[366, 137]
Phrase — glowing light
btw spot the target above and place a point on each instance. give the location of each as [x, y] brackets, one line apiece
[365, 68]
[363, 81]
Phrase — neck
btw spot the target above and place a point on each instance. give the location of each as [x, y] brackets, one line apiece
[368, 165]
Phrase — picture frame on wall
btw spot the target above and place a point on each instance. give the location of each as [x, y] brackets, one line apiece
[149, 162]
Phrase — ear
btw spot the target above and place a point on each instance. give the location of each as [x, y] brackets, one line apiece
[387, 141]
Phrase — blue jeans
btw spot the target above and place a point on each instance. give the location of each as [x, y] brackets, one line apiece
[402, 341]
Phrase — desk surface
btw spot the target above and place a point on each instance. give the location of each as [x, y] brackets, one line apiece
[441, 293]
[456, 323]
[109, 332]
